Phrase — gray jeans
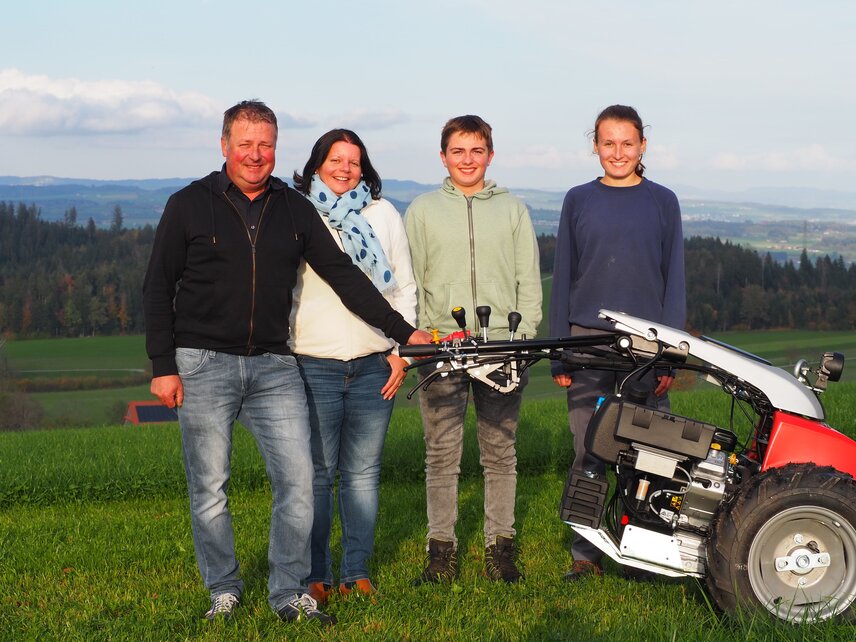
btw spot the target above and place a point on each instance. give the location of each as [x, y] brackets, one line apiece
[443, 406]
[585, 390]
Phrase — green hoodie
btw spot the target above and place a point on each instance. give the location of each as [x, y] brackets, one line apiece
[474, 251]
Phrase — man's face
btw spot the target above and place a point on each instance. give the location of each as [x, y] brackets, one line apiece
[250, 153]
[467, 158]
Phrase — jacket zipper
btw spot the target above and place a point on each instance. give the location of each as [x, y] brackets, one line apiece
[252, 239]
[472, 252]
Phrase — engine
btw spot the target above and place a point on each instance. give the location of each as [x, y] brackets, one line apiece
[672, 475]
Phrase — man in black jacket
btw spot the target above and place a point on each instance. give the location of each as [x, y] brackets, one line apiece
[217, 298]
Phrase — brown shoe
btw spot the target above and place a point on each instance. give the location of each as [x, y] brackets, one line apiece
[320, 592]
[583, 568]
[362, 587]
[441, 565]
[499, 561]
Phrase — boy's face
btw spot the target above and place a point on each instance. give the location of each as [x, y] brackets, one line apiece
[467, 158]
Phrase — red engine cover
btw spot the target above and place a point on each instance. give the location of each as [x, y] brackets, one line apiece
[795, 440]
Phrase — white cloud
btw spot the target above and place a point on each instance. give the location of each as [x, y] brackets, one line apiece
[39, 105]
[44, 106]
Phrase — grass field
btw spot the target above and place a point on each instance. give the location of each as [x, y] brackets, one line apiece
[64, 357]
[103, 355]
[95, 545]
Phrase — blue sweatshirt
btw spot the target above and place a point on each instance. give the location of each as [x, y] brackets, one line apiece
[618, 248]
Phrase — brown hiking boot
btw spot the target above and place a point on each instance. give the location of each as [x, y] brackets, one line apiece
[499, 561]
[441, 564]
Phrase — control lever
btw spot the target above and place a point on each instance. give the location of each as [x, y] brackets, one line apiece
[483, 313]
[514, 319]
[460, 316]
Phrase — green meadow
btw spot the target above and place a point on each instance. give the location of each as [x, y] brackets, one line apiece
[120, 356]
[95, 545]
[95, 537]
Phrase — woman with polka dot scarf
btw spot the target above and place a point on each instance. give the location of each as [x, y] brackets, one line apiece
[351, 370]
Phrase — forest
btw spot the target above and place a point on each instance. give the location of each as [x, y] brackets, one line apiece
[65, 279]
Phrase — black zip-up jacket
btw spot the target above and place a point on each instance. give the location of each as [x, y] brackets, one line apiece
[210, 285]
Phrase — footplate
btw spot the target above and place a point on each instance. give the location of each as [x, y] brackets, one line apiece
[584, 498]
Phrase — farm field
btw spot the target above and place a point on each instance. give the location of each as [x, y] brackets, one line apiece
[63, 357]
[95, 545]
[104, 355]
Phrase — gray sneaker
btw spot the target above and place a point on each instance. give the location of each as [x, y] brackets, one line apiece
[222, 605]
[304, 607]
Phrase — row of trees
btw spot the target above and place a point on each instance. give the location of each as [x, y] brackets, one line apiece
[64, 279]
[730, 287]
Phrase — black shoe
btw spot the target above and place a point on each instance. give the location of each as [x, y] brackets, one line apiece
[581, 569]
[222, 606]
[441, 564]
[304, 607]
[499, 561]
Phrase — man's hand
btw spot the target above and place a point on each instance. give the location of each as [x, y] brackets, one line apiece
[396, 377]
[169, 390]
[563, 380]
[665, 382]
[419, 337]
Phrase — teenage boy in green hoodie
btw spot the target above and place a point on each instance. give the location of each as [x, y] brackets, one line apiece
[472, 244]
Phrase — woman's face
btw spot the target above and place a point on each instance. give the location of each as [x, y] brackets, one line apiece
[619, 147]
[341, 170]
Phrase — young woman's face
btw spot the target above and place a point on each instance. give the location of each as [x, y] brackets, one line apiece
[341, 171]
[619, 147]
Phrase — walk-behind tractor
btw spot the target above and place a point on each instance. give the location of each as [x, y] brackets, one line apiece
[769, 523]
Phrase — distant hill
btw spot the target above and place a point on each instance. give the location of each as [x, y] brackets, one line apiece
[791, 197]
[781, 221]
[142, 201]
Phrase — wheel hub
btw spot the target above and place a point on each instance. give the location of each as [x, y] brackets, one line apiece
[802, 561]
[799, 561]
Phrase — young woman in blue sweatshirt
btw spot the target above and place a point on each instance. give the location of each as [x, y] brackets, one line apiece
[619, 247]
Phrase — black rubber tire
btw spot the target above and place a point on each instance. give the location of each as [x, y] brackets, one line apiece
[787, 516]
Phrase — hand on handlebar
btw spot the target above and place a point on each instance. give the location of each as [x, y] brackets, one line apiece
[664, 383]
[563, 380]
[419, 337]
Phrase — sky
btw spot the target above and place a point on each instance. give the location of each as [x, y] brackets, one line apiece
[734, 95]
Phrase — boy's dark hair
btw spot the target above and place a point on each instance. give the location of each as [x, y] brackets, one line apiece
[253, 110]
[468, 124]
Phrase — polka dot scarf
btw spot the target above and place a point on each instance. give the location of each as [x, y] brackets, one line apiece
[358, 237]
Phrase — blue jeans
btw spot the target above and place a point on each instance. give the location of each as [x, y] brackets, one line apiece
[265, 393]
[349, 420]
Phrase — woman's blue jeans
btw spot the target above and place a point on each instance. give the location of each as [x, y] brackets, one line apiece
[266, 394]
[349, 419]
